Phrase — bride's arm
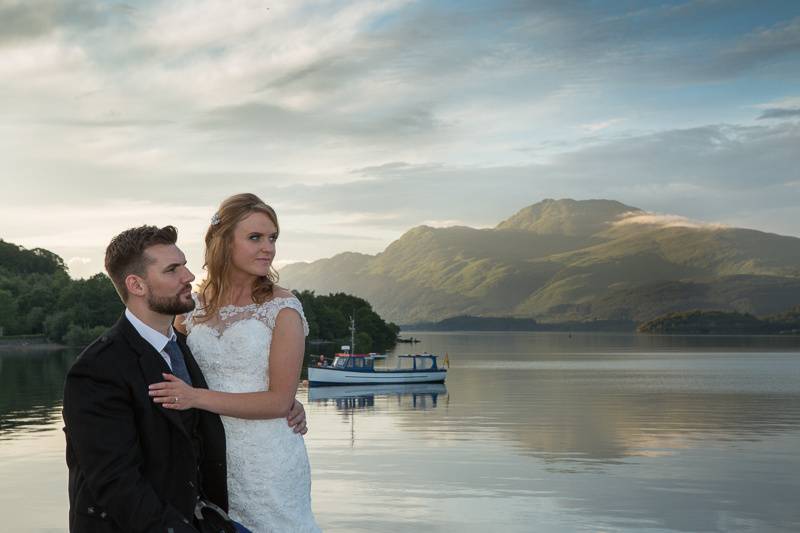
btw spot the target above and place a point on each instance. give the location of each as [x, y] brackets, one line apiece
[285, 362]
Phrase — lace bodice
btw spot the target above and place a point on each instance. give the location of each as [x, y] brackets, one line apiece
[269, 479]
[228, 315]
[232, 348]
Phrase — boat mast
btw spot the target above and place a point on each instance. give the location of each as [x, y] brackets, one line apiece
[352, 334]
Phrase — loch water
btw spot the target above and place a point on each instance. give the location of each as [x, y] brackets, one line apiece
[531, 432]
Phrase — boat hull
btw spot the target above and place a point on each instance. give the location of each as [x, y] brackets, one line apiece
[334, 376]
[338, 392]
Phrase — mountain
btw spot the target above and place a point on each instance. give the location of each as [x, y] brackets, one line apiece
[567, 217]
[561, 260]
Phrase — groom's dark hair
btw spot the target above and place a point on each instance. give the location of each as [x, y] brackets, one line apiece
[125, 254]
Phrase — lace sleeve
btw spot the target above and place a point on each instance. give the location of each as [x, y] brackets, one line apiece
[188, 318]
[268, 312]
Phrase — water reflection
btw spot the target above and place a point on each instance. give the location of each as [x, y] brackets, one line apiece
[31, 390]
[413, 396]
[533, 432]
[585, 400]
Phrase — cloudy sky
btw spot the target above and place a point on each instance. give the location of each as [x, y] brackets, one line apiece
[358, 120]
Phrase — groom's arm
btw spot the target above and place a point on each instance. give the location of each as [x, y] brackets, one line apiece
[100, 424]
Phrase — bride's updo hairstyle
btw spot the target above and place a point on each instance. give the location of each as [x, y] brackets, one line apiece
[219, 241]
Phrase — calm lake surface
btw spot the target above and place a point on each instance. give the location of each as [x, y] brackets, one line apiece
[532, 432]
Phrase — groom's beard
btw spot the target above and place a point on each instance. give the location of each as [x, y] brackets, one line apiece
[169, 305]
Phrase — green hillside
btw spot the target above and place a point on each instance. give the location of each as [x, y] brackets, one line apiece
[565, 260]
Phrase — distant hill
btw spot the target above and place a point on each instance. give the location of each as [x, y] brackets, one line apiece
[485, 323]
[566, 260]
[722, 323]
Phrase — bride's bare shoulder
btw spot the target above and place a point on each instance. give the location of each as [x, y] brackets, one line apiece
[280, 292]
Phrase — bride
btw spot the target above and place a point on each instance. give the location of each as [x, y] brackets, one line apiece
[247, 335]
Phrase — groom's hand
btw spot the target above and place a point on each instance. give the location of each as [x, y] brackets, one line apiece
[297, 418]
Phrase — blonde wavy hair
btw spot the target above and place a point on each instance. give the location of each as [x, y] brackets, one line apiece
[219, 242]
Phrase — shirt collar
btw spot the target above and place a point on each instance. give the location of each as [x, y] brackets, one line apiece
[153, 337]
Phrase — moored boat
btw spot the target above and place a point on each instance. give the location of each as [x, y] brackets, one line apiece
[348, 368]
[353, 369]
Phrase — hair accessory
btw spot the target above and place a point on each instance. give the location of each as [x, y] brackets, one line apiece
[215, 219]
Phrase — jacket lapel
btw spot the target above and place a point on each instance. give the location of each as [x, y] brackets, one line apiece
[152, 365]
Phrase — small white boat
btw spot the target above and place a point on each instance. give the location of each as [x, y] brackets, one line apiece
[353, 369]
[359, 369]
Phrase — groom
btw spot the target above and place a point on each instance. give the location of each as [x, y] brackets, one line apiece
[133, 465]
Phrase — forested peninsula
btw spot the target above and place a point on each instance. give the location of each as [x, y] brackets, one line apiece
[329, 323]
[724, 323]
[696, 322]
[38, 298]
[486, 323]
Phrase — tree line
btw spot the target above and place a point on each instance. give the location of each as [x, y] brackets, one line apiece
[699, 322]
[329, 320]
[38, 297]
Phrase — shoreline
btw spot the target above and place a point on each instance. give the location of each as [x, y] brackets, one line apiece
[31, 347]
[34, 342]
[608, 332]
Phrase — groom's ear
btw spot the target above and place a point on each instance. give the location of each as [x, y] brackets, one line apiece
[135, 285]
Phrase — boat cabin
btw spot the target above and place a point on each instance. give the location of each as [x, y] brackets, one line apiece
[423, 361]
[366, 362]
[357, 361]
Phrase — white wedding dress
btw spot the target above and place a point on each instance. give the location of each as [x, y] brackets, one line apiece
[269, 479]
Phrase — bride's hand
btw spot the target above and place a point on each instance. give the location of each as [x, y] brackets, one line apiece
[173, 393]
[297, 418]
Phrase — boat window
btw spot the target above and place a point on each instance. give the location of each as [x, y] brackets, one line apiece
[359, 363]
[339, 362]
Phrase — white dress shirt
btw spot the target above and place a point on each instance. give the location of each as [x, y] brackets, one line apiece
[153, 337]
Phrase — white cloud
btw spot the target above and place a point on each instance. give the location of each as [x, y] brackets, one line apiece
[219, 53]
[40, 60]
[443, 223]
[667, 221]
[120, 115]
[780, 103]
[64, 225]
[279, 264]
[81, 267]
[595, 127]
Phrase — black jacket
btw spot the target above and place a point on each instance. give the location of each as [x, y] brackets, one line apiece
[132, 465]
